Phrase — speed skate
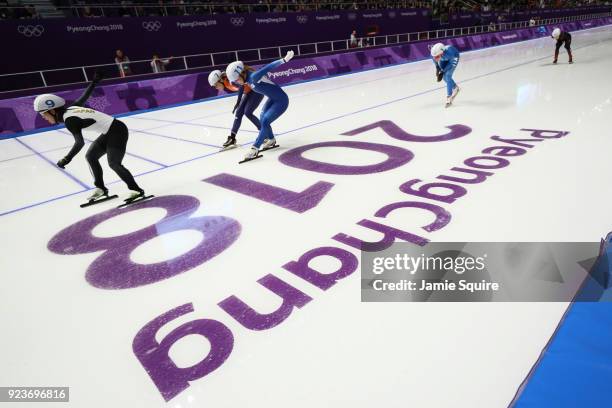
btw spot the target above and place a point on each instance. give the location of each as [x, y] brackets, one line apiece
[101, 199]
[451, 98]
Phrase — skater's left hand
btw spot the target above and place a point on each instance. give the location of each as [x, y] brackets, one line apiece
[63, 162]
[289, 55]
[439, 75]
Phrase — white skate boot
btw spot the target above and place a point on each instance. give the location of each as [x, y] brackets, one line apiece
[450, 99]
[268, 144]
[251, 155]
[97, 193]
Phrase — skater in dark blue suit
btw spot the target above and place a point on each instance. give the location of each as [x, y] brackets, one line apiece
[275, 106]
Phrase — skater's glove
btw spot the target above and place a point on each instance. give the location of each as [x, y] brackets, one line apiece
[439, 75]
[63, 162]
[288, 56]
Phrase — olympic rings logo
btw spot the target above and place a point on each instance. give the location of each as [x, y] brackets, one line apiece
[151, 25]
[30, 30]
[302, 19]
[237, 21]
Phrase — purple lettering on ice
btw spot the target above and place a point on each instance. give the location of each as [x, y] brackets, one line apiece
[113, 268]
[396, 157]
[426, 190]
[154, 356]
[323, 280]
[477, 162]
[253, 320]
[172, 380]
[443, 217]
[396, 132]
[298, 202]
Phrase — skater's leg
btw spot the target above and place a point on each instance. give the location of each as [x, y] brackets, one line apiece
[272, 111]
[264, 125]
[238, 115]
[265, 131]
[252, 104]
[96, 150]
[450, 82]
[116, 147]
[568, 47]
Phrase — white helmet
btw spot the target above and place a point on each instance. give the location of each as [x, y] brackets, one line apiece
[46, 102]
[437, 49]
[214, 77]
[234, 70]
[556, 33]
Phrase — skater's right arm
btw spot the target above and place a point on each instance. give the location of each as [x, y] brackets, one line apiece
[257, 75]
[75, 126]
[83, 98]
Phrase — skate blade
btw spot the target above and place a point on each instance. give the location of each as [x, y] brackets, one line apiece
[135, 201]
[98, 201]
[270, 148]
[251, 159]
[228, 148]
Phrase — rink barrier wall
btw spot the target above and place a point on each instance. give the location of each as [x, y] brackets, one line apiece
[176, 36]
[17, 118]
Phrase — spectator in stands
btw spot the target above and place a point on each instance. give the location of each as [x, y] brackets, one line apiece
[123, 63]
[126, 10]
[31, 12]
[532, 22]
[159, 65]
[87, 13]
[353, 40]
[5, 13]
[492, 26]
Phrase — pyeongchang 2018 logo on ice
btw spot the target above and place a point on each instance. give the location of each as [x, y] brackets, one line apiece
[293, 71]
[94, 27]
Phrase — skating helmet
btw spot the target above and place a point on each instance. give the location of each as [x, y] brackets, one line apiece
[556, 33]
[437, 49]
[214, 77]
[234, 70]
[46, 102]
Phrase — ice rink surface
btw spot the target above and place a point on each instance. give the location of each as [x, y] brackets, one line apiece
[73, 302]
